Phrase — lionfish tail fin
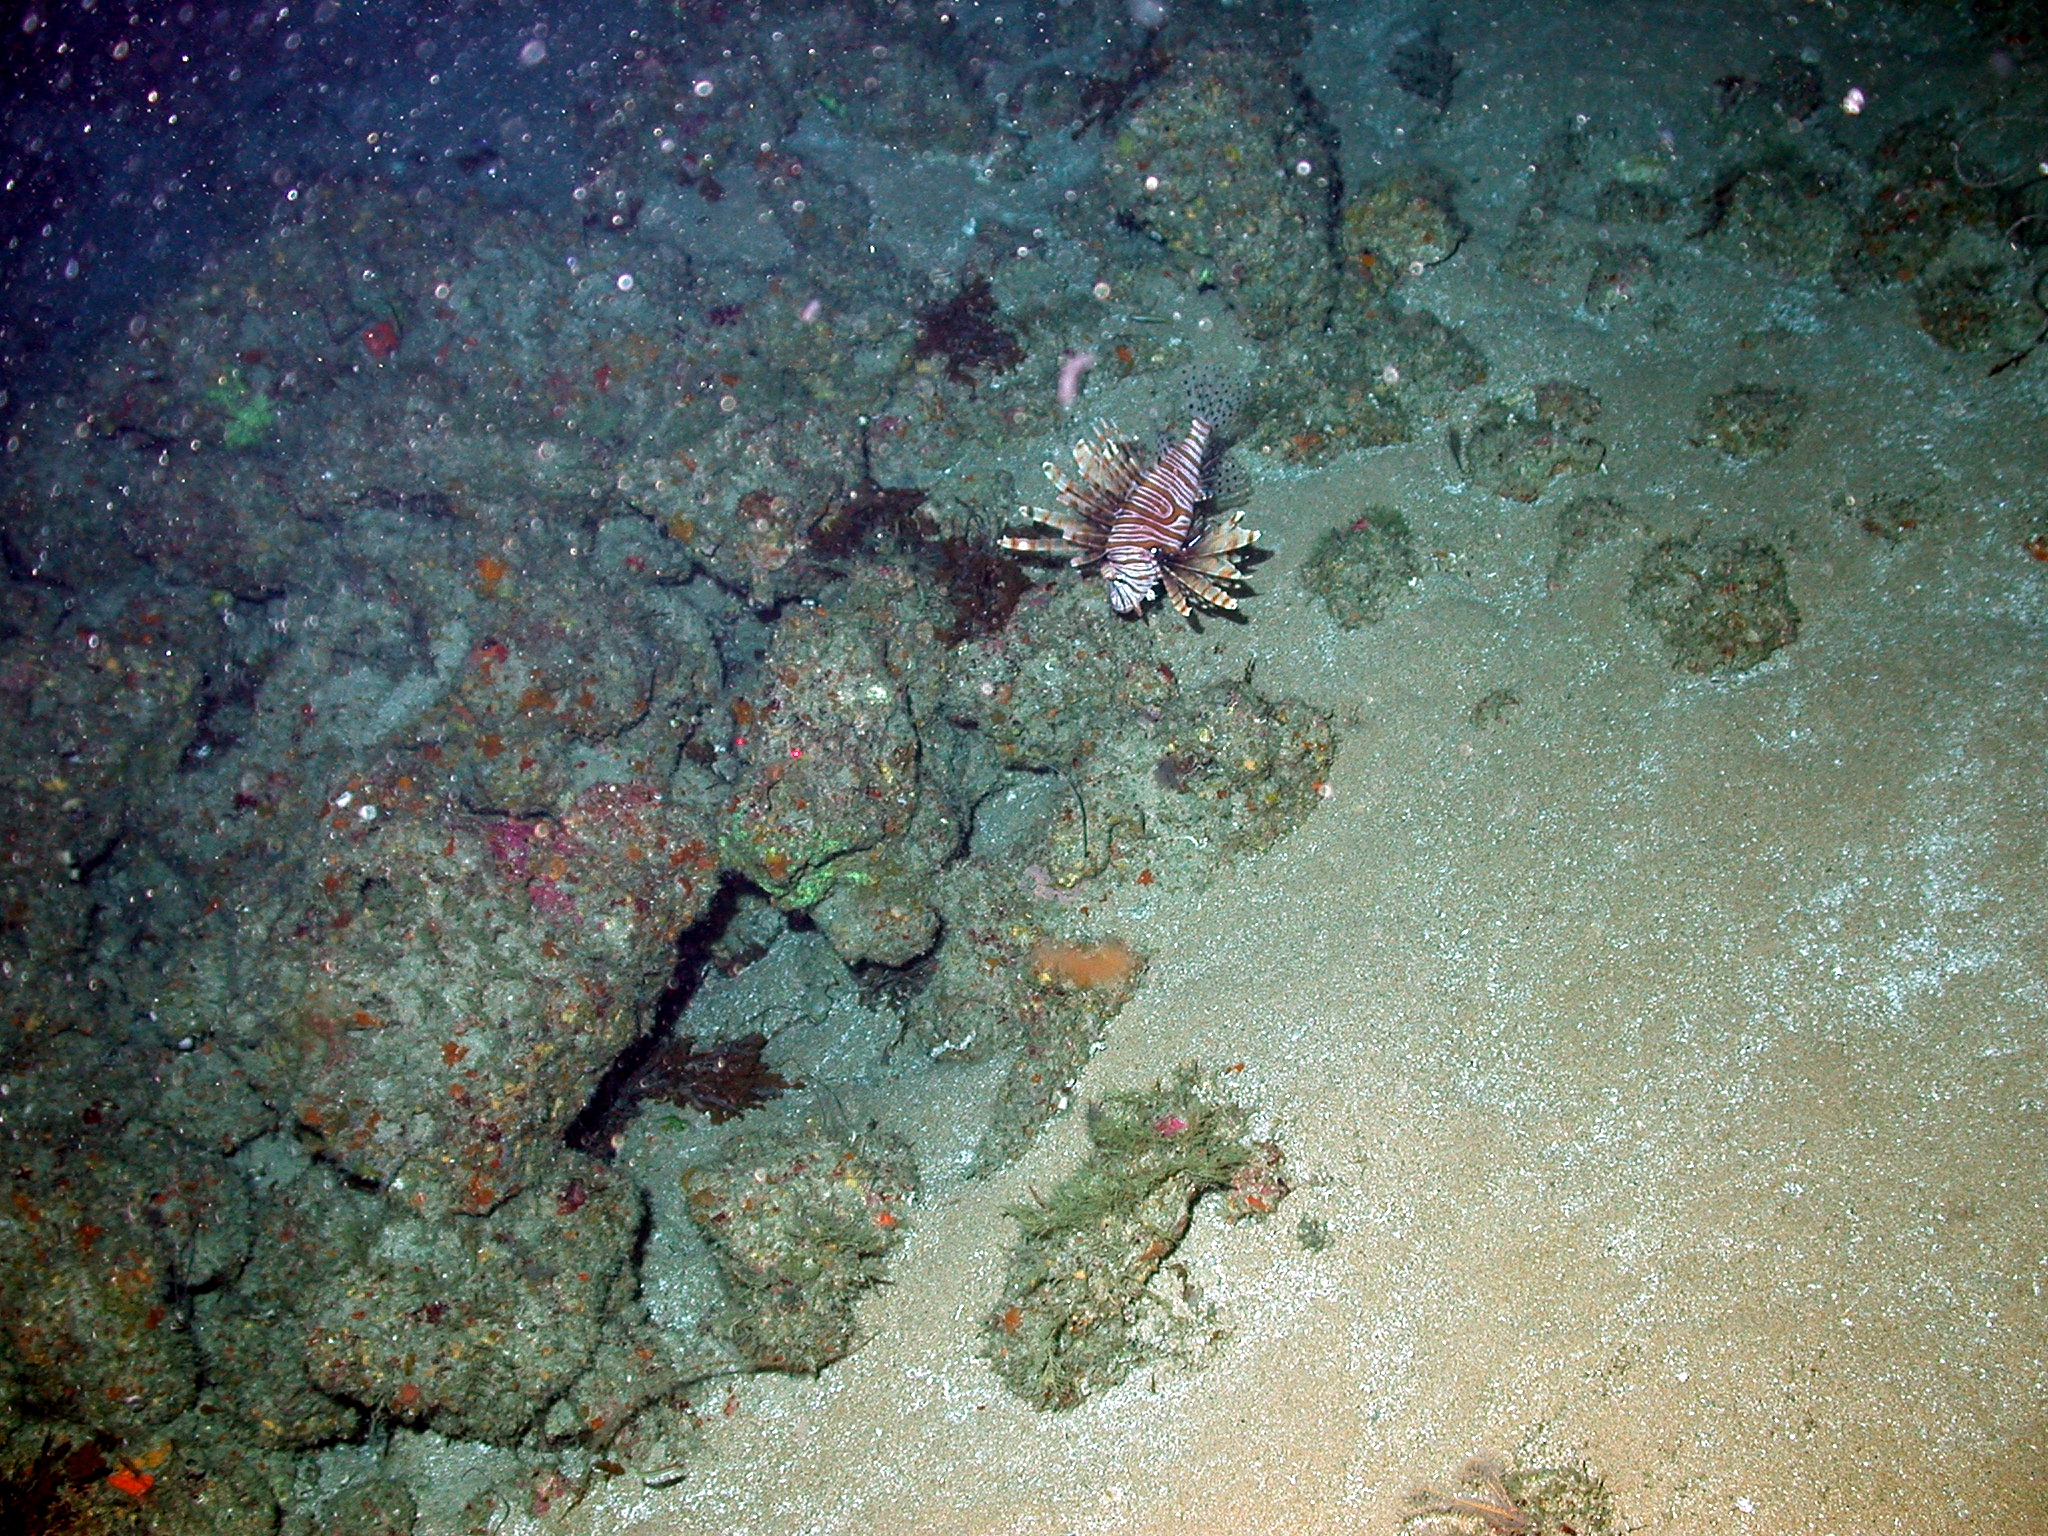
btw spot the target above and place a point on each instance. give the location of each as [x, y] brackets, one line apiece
[1217, 396]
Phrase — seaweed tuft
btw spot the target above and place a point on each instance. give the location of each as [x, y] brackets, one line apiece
[966, 331]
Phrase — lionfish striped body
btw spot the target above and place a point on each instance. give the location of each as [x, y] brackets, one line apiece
[1135, 524]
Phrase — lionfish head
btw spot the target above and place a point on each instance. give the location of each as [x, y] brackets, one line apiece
[1132, 577]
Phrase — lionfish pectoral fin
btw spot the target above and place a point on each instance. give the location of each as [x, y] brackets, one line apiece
[1223, 538]
[1179, 575]
[1077, 527]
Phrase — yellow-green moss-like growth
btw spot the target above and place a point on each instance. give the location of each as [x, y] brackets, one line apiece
[1063, 1326]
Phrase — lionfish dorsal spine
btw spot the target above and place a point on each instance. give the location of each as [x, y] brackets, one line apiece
[1160, 509]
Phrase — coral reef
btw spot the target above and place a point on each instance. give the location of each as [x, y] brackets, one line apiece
[453, 651]
[829, 759]
[989, 996]
[1548, 238]
[1402, 224]
[1621, 275]
[90, 1334]
[1625, 201]
[474, 1328]
[1361, 382]
[94, 721]
[1585, 521]
[1926, 190]
[478, 668]
[800, 1225]
[1219, 164]
[1981, 307]
[1893, 516]
[439, 1058]
[1779, 214]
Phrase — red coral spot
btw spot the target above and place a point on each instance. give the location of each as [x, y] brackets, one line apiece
[380, 340]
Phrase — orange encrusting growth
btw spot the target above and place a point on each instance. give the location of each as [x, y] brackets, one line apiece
[1082, 967]
[129, 1481]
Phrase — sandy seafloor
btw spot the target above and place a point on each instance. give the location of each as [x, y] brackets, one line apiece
[1668, 1061]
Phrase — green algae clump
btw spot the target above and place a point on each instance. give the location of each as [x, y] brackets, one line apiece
[1064, 1327]
[248, 413]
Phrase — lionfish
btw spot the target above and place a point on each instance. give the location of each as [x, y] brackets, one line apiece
[1135, 524]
